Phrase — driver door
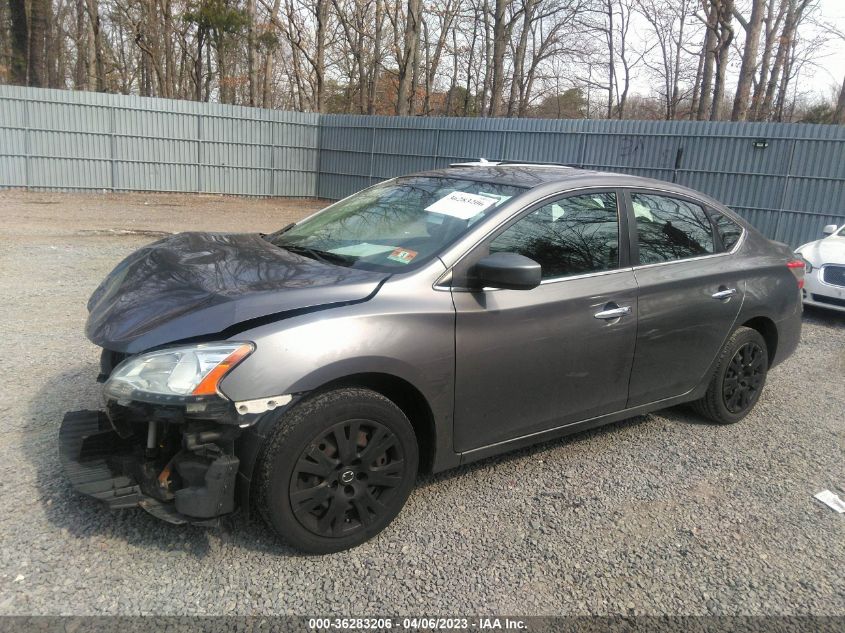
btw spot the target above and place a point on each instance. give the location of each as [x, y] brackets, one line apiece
[532, 360]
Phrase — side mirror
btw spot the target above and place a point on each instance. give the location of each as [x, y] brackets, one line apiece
[830, 229]
[509, 271]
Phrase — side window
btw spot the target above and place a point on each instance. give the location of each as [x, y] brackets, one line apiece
[729, 231]
[571, 236]
[670, 228]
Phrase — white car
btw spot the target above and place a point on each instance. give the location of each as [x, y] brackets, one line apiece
[824, 269]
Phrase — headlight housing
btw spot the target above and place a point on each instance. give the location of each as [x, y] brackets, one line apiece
[175, 374]
[808, 267]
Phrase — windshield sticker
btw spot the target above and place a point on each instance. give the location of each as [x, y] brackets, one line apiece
[499, 198]
[402, 255]
[363, 249]
[462, 205]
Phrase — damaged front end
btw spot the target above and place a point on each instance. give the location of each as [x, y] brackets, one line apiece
[167, 440]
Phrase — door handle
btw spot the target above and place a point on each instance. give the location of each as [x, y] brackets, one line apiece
[613, 313]
[727, 293]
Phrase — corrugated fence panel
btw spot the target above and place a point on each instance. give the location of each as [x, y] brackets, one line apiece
[54, 139]
[786, 179]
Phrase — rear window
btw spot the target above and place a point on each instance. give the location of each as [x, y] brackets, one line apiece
[670, 228]
[728, 230]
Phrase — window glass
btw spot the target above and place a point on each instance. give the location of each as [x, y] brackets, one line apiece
[571, 236]
[395, 225]
[670, 228]
[729, 231]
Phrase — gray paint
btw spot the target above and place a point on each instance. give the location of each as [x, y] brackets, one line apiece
[63, 140]
[485, 360]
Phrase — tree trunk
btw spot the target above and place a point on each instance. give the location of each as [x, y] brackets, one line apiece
[20, 42]
[488, 60]
[169, 88]
[519, 58]
[198, 64]
[500, 45]
[37, 43]
[409, 57]
[96, 42]
[267, 90]
[725, 37]
[375, 64]
[252, 71]
[783, 89]
[467, 90]
[80, 73]
[53, 47]
[321, 13]
[709, 53]
[771, 25]
[696, 87]
[749, 62]
[793, 15]
[611, 59]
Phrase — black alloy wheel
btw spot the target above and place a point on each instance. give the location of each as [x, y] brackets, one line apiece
[343, 481]
[336, 469]
[744, 377]
[738, 378]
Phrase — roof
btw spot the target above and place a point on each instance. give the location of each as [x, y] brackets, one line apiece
[530, 175]
[518, 175]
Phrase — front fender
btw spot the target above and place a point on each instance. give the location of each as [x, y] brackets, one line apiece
[381, 336]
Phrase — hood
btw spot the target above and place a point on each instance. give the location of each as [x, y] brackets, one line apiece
[830, 250]
[197, 284]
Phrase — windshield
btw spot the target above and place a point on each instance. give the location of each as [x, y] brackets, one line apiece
[395, 225]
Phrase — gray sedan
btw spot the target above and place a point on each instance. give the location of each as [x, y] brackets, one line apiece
[422, 323]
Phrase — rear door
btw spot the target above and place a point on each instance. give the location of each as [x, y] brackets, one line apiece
[531, 360]
[690, 293]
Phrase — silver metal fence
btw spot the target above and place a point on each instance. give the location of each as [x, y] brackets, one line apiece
[787, 179]
[60, 140]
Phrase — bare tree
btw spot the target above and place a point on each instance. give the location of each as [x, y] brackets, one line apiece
[611, 21]
[753, 27]
[37, 75]
[407, 53]
[444, 13]
[19, 41]
[670, 24]
[465, 57]
[793, 15]
[724, 37]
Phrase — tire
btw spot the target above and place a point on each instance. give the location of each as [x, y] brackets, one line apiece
[322, 491]
[739, 378]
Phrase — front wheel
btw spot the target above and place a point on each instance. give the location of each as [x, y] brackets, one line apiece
[337, 469]
[738, 380]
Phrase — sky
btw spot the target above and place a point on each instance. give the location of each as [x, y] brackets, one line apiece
[831, 63]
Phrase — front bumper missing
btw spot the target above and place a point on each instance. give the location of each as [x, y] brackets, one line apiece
[189, 478]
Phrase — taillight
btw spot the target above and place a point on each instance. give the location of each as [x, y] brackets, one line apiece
[797, 268]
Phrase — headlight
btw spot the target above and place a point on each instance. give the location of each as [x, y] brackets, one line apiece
[175, 373]
[808, 267]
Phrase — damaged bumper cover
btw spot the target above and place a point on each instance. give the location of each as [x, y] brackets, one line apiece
[180, 463]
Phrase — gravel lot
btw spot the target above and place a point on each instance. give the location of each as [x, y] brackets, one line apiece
[661, 514]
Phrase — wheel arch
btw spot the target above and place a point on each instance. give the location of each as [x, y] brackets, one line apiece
[405, 396]
[769, 331]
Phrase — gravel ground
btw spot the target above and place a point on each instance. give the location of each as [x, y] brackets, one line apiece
[660, 514]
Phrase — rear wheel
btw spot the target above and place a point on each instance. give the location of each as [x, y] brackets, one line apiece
[739, 378]
[337, 470]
